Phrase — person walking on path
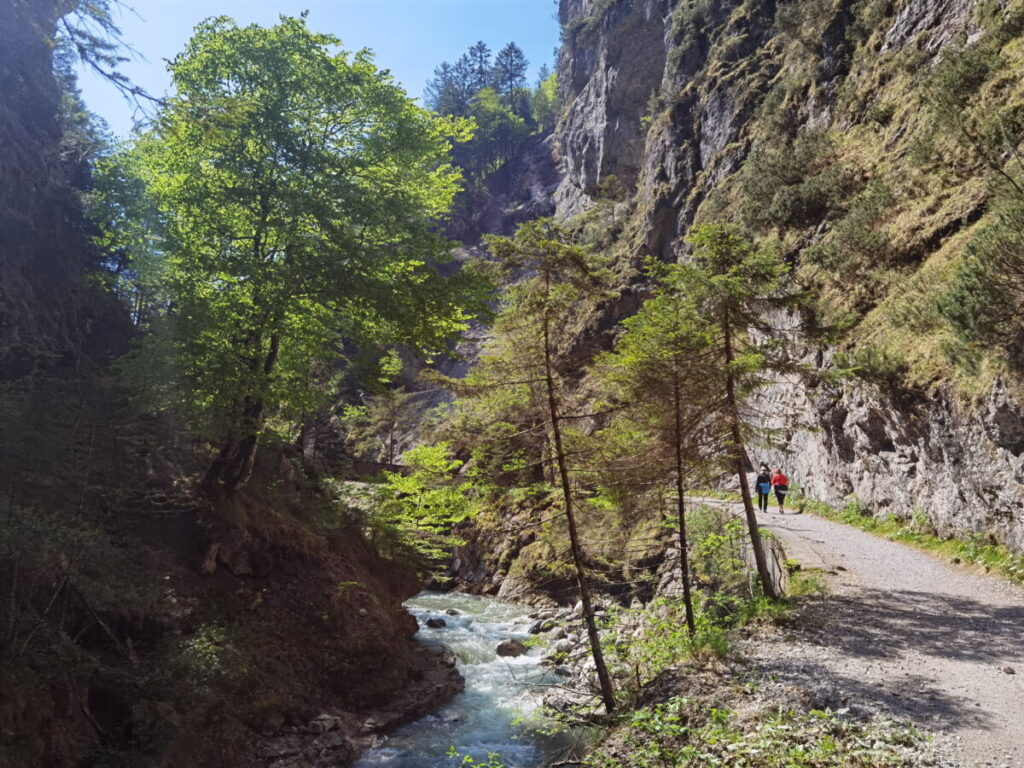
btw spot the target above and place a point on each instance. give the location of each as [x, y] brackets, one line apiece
[781, 483]
[764, 487]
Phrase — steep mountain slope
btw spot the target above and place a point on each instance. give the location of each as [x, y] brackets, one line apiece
[827, 128]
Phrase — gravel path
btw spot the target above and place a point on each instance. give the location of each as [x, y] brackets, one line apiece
[904, 631]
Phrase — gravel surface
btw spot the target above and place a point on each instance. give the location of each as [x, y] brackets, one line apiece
[906, 633]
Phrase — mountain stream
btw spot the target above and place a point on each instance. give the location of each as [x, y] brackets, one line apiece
[498, 713]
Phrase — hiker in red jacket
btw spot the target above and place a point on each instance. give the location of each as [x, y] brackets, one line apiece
[781, 484]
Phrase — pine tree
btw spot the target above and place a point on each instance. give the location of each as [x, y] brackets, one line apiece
[663, 373]
[533, 335]
[733, 287]
[509, 72]
[480, 65]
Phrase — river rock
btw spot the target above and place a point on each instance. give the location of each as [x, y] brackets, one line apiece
[452, 612]
[559, 633]
[436, 623]
[563, 646]
[511, 648]
[541, 625]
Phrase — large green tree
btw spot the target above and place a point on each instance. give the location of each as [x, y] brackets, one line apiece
[664, 377]
[736, 289]
[299, 190]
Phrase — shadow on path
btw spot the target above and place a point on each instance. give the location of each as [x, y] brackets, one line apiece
[873, 623]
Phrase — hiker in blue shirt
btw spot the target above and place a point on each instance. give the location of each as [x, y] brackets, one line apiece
[764, 487]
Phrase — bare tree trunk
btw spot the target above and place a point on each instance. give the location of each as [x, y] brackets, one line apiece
[739, 458]
[684, 557]
[607, 691]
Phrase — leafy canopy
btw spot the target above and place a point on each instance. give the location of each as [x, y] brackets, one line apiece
[411, 516]
[298, 190]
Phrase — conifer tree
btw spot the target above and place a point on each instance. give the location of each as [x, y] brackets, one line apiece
[663, 372]
[734, 287]
[479, 56]
[509, 73]
[534, 321]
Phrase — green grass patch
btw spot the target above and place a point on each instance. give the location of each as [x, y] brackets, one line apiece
[976, 550]
[681, 732]
[805, 584]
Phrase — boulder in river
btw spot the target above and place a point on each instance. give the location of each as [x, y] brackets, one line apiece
[511, 648]
[452, 612]
[436, 623]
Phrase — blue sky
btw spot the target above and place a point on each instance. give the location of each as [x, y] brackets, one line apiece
[409, 37]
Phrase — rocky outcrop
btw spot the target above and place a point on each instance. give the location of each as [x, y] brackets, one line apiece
[521, 190]
[609, 67]
[955, 466]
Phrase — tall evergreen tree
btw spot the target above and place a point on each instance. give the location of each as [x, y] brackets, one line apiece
[479, 55]
[734, 287]
[663, 373]
[436, 90]
[532, 367]
[509, 73]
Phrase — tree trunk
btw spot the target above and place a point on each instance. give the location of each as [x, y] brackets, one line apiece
[607, 691]
[233, 466]
[741, 471]
[684, 557]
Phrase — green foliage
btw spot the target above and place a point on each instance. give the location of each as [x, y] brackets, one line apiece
[298, 191]
[873, 364]
[688, 22]
[499, 133]
[654, 638]
[202, 655]
[50, 560]
[493, 759]
[375, 428]
[868, 16]
[663, 378]
[411, 517]
[985, 302]
[546, 104]
[86, 31]
[494, 94]
[501, 414]
[678, 732]
[794, 185]
[856, 241]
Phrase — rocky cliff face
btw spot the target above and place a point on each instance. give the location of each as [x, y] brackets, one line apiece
[670, 100]
[959, 466]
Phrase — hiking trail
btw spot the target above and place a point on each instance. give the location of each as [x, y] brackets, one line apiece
[901, 630]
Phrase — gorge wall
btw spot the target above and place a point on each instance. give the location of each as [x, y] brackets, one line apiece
[692, 107]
